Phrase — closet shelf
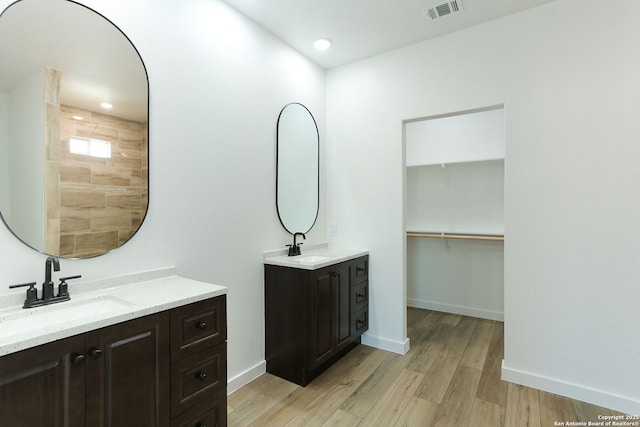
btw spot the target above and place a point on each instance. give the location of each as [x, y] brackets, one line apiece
[460, 236]
[445, 163]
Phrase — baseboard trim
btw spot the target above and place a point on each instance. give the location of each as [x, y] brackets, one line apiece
[573, 391]
[384, 344]
[457, 309]
[246, 377]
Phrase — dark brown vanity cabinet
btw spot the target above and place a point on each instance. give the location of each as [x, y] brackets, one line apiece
[123, 375]
[313, 317]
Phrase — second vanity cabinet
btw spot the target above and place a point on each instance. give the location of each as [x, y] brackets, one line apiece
[167, 369]
[313, 317]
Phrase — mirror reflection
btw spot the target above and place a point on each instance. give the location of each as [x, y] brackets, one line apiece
[297, 170]
[73, 172]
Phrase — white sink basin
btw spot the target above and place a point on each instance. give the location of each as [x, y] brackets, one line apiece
[39, 318]
[310, 259]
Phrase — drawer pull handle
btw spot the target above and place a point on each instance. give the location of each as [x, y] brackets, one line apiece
[360, 296]
[360, 269]
[359, 322]
[201, 325]
[201, 376]
[78, 359]
[201, 425]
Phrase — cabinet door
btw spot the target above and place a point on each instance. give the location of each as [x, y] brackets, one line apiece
[343, 305]
[323, 296]
[42, 387]
[330, 313]
[127, 373]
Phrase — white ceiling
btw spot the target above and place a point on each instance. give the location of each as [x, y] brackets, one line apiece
[363, 28]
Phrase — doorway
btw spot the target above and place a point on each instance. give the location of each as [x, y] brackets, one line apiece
[454, 212]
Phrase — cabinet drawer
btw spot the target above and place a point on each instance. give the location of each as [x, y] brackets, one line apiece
[197, 378]
[212, 413]
[360, 296]
[361, 322]
[360, 270]
[197, 326]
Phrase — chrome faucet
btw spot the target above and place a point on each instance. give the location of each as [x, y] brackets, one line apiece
[47, 285]
[294, 249]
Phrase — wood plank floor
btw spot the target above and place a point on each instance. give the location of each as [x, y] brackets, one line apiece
[450, 377]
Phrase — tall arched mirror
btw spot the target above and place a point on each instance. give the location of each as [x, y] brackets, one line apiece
[297, 170]
[73, 129]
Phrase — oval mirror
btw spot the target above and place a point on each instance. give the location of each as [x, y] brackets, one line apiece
[73, 174]
[297, 186]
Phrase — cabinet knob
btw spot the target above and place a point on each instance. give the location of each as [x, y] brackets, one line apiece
[201, 376]
[78, 359]
[96, 353]
[201, 325]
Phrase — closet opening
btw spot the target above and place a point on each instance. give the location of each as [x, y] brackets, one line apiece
[454, 214]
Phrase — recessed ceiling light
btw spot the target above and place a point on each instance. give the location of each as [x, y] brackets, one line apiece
[106, 105]
[322, 44]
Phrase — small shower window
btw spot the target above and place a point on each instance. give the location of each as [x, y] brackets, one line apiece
[90, 147]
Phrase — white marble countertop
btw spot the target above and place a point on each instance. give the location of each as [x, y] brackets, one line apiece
[97, 304]
[312, 258]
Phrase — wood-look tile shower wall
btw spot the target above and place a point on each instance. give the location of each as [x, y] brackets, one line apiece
[102, 201]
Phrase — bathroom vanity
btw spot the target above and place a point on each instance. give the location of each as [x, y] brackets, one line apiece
[316, 309]
[150, 352]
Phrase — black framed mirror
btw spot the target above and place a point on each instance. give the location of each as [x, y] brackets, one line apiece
[298, 164]
[74, 180]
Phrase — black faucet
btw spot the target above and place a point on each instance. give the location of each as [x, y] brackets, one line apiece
[32, 300]
[294, 249]
[47, 285]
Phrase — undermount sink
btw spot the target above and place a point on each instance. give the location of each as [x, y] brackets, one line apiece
[310, 259]
[63, 313]
[318, 257]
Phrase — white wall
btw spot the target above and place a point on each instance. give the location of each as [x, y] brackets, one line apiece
[461, 198]
[217, 85]
[455, 276]
[26, 151]
[465, 137]
[570, 87]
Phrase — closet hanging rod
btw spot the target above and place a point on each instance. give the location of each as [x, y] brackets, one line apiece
[490, 237]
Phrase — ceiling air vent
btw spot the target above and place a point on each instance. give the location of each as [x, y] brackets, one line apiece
[438, 10]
